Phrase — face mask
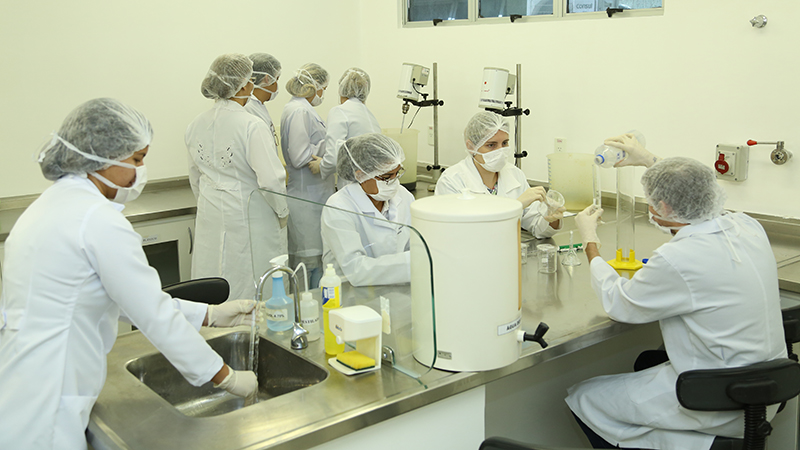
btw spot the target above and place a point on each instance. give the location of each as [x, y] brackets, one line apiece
[495, 160]
[272, 94]
[317, 99]
[386, 191]
[667, 230]
[126, 194]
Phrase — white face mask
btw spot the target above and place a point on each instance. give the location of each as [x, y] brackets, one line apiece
[664, 229]
[272, 94]
[126, 194]
[386, 191]
[495, 160]
[317, 100]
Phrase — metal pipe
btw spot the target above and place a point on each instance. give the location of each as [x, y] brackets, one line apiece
[518, 120]
[299, 334]
[436, 171]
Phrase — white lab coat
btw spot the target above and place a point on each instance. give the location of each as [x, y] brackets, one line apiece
[714, 313]
[258, 109]
[73, 264]
[511, 183]
[350, 119]
[231, 155]
[303, 135]
[363, 250]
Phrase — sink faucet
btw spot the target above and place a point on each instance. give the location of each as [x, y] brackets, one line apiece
[299, 334]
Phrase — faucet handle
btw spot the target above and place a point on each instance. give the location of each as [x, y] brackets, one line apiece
[299, 337]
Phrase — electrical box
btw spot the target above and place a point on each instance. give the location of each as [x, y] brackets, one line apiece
[731, 162]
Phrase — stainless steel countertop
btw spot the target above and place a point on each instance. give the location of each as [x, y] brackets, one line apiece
[341, 405]
[160, 199]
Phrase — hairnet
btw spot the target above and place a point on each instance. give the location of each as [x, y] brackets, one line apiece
[687, 187]
[354, 84]
[307, 80]
[265, 66]
[481, 127]
[227, 75]
[371, 154]
[103, 127]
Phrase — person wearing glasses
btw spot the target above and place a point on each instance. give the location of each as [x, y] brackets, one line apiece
[369, 247]
[486, 170]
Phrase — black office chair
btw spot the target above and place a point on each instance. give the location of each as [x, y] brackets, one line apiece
[791, 329]
[212, 291]
[751, 388]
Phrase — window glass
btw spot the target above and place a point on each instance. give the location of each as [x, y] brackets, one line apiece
[579, 6]
[505, 8]
[424, 10]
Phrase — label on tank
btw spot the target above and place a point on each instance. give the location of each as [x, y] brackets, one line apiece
[441, 354]
[509, 327]
[277, 315]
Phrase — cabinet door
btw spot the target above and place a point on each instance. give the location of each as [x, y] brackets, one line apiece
[169, 244]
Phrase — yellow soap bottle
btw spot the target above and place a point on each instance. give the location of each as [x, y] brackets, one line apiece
[331, 286]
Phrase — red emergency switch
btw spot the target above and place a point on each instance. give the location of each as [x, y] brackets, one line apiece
[721, 165]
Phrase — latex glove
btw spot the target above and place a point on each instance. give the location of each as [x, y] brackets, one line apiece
[242, 383]
[231, 313]
[636, 154]
[555, 214]
[314, 164]
[531, 195]
[586, 221]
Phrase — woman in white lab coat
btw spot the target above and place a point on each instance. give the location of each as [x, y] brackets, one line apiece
[350, 119]
[713, 289]
[366, 251]
[486, 170]
[266, 73]
[231, 155]
[302, 138]
[73, 265]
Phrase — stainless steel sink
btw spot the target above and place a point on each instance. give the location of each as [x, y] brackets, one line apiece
[279, 372]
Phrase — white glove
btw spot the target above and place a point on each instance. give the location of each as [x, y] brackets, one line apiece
[532, 195]
[231, 313]
[242, 383]
[636, 154]
[314, 164]
[586, 221]
[554, 214]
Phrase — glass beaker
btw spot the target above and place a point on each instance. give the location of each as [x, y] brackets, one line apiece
[548, 258]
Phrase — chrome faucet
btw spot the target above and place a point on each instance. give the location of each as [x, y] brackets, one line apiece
[299, 334]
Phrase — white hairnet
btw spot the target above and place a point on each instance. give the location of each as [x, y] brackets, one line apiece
[367, 156]
[307, 80]
[102, 127]
[354, 84]
[265, 66]
[481, 127]
[687, 187]
[227, 75]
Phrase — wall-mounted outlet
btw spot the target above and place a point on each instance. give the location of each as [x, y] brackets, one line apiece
[430, 135]
[560, 145]
[732, 162]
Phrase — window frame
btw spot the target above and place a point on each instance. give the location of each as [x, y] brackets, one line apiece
[559, 13]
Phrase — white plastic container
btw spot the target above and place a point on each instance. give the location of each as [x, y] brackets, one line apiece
[309, 315]
[474, 244]
[497, 84]
[606, 156]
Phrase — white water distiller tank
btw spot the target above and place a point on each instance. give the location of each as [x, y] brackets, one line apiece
[474, 245]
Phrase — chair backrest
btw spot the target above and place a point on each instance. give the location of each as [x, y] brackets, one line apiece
[764, 383]
[791, 329]
[212, 291]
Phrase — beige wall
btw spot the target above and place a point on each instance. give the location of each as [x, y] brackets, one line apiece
[151, 54]
[697, 76]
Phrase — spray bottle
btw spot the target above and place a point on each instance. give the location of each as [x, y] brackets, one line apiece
[331, 286]
[279, 308]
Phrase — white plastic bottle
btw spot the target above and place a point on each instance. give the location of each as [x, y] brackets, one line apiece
[331, 286]
[279, 309]
[606, 156]
[309, 315]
